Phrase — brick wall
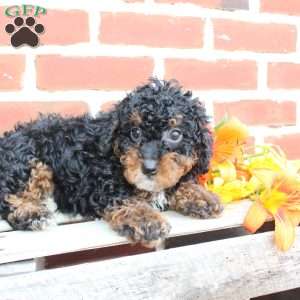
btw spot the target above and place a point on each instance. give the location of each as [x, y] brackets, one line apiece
[239, 56]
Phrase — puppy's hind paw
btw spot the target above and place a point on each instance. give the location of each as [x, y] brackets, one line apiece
[29, 218]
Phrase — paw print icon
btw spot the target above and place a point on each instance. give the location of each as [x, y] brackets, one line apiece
[24, 32]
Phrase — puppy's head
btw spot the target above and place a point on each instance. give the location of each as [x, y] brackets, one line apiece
[162, 136]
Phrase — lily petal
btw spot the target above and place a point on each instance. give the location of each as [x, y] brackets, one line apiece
[265, 176]
[230, 135]
[232, 129]
[294, 217]
[227, 170]
[232, 190]
[255, 217]
[284, 231]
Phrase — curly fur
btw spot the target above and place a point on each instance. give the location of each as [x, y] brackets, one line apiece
[86, 155]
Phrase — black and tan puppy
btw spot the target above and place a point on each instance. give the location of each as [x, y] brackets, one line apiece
[124, 166]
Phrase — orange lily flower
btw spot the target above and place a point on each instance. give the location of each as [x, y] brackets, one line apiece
[282, 202]
[229, 138]
[265, 176]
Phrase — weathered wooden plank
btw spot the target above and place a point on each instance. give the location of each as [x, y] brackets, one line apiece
[235, 269]
[17, 245]
[232, 217]
[17, 268]
[4, 226]
[58, 218]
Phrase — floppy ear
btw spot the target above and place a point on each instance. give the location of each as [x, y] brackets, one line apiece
[108, 124]
[203, 151]
[203, 139]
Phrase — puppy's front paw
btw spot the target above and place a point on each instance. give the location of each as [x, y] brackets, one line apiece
[139, 223]
[150, 233]
[191, 199]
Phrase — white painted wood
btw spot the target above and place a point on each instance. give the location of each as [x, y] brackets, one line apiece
[58, 218]
[233, 216]
[235, 269]
[20, 245]
[4, 226]
[20, 267]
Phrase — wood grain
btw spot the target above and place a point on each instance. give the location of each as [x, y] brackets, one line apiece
[20, 267]
[235, 269]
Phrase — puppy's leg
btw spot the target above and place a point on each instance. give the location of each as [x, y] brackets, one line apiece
[28, 209]
[192, 199]
[139, 222]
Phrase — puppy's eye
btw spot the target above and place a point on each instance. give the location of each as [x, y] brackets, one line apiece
[135, 134]
[172, 137]
[175, 135]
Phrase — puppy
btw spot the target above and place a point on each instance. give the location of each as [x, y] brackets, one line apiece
[124, 166]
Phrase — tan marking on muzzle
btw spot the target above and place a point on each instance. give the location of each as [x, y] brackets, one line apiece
[132, 165]
[172, 167]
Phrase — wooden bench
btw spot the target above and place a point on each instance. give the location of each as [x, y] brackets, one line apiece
[223, 263]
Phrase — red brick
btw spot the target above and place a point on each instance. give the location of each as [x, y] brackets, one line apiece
[65, 27]
[14, 112]
[221, 74]
[155, 31]
[289, 143]
[203, 3]
[284, 76]
[291, 7]
[258, 112]
[11, 70]
[235, 35]
[61, 27]
[74, 73]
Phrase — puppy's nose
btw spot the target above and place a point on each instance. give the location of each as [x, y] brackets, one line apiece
[150, 167]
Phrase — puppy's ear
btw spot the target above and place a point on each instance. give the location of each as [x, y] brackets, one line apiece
[203, 151]
[202, 138]
[108, 124]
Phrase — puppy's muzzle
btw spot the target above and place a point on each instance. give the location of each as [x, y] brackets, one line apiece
[150, 155]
